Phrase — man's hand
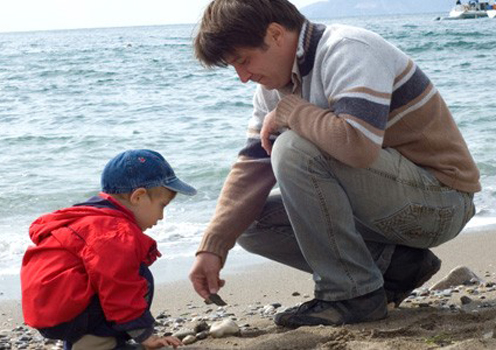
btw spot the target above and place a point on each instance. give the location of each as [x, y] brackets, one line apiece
[205, 274]
[156, 342]
[269, 127]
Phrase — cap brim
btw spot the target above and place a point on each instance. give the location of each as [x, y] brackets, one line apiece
[180, 187]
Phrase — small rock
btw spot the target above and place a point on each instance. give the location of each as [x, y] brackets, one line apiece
[189, 339]
[201, 326]
[447, 292]
[202, 335]
[465, 300]
[391, 306]
[295, 294]
[268, 310]
[489, 335]
[183, 333]
[161, 316]
[224, 328]
[458, 276]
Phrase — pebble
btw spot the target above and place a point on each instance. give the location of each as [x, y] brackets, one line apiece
[268, 310]
[466, 294]
[223, 328]
[201, 326]
[489, 335]
[202, 335]
[458, 276]
[189, 339]
[183, 333]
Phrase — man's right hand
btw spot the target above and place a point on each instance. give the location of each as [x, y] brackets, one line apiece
[205, 274]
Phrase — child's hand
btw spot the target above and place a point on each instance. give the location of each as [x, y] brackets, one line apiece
[156, 342]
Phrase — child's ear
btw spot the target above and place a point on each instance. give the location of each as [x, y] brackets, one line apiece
[137, 195]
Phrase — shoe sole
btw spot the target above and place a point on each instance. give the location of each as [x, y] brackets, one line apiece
[342, 314]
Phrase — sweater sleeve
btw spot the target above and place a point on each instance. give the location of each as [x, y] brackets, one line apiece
[246, 187]
[240, 202]
[357, 83]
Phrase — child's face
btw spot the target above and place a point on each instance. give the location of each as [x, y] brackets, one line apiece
[149, 208]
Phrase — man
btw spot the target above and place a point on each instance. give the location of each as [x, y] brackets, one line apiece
[371, 167]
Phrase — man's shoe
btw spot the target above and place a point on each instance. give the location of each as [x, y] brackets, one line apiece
[410, 268]
[369, 307]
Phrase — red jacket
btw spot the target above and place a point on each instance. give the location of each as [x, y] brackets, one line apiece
[82, 251]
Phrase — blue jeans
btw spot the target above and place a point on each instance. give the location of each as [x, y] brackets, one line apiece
[342, 223]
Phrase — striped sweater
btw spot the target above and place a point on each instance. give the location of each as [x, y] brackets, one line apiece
[352, 94]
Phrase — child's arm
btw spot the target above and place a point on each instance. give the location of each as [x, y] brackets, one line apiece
[156, 342]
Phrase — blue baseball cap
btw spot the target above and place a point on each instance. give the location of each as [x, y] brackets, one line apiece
[137, 168]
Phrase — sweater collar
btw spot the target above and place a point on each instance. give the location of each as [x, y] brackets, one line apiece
[308, 40]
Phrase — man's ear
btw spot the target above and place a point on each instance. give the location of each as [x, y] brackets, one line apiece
[137, 195]
[275, 33]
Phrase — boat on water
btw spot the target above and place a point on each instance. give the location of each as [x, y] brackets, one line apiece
[472, 9]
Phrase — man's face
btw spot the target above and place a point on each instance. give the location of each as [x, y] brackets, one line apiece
[269, 66]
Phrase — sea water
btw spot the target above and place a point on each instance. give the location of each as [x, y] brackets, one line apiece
[71, 100]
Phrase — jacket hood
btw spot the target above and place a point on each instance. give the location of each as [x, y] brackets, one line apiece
[44, 225]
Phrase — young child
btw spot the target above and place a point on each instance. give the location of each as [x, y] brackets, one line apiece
[86, 280]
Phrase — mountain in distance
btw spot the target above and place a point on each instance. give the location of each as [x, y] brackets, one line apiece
[348, 8]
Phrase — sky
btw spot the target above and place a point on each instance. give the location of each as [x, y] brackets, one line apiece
[29, 15]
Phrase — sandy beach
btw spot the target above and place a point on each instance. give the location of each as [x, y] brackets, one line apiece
[459, 317]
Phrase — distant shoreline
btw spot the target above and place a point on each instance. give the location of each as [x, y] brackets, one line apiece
[315, 19]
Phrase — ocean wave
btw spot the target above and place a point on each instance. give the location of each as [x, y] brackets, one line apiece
[70, 100]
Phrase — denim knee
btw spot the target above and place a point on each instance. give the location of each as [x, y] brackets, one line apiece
[247, 242]
[290, 150]
[280, 149]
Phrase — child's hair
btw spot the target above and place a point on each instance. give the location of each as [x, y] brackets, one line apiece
[227, 25]
[153, 193]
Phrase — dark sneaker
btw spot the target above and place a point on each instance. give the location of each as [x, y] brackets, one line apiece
[410, 268]
[369, 307]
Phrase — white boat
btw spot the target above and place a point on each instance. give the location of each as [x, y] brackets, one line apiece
[473, 9]
[464, 12]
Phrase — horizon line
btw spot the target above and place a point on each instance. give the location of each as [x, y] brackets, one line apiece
[21, 31]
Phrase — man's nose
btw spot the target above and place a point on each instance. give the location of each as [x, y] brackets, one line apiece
[243, 73]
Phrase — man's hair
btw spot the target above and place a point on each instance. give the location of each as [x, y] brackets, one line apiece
[227, 25]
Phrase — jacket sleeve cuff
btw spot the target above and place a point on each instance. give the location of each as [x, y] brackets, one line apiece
[140, 335]
[140, 328]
